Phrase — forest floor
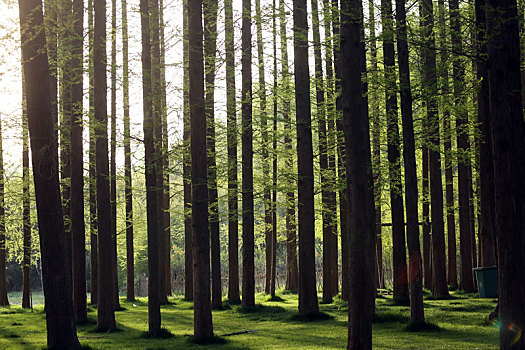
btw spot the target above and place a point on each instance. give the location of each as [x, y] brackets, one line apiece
[462, 321]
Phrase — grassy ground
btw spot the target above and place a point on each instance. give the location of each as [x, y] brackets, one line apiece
[462, 322]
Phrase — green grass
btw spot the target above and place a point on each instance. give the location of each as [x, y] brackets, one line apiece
[462, 324]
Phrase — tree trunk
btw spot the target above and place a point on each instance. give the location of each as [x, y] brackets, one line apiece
[486, 171]
[128, 188]
[274, 149]
[60, 317]
[202, 321]
[92, 172]
[4, 301]
[427, 256]
[305, 169]
[77, 166]
[113, 155]
[233, 204]
[452, 277]
[210, 47]
[154, 319]
[417, 315]
[105, 301]
[26, 206]
[292, 274]
[359, 176]
[508, 145]
[186, 165]
[248, 278]
[439, 276]
[394, 158]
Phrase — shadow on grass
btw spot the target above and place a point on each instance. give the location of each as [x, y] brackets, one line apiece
[390, 317]
[213, 340]
[89, 321]
[312, 317]
[275, 298]
[422, 327]
[163, 333]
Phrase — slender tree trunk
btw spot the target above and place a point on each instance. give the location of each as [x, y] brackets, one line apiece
[486, 171]
[113, 155]
[305, 169]
[186, 164]
[210, 47]
[417, 313]
[376, 149]
[233, 204]
[50, 23]
[4, 301]
[274, 154]
[202, 321]
[26, 206]
[154, 319]
[105, 300]
[427, 256]
[452, 277]
[394, 158]
[248, 278]
[466, 282]
[508, 145]
[292, 269]
[439, 276]
[128, 192]
[92, 172]
[60, 317]
[77, 165]
[359, 176]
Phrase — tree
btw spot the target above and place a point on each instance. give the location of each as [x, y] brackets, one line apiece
[154, 318]
[128, 188]
[105, 301]
[202, 321]
[4, 301]
[394, 158]
[274, 149]
[417, 315]
[233, 204]
[292, 274]
[248, 273]
[26, 207]
[508, 144]
[210, 9]
[60, 317]
[439, 277]
[359, 176]
[305, 169]
[77, 165]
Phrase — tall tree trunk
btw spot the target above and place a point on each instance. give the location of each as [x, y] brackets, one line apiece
[51, 27]
[394, 158]
[26, 206]
[452, 277]
[77, 165]
[248, 278]
[486, 171]
[113, 155]
[60, 317]
[267, 195]
[466, 282]
[202, 321]
[154, 319]
[233, 204]
[439, 275]
[292, 270]
[210, 47]
[186, 165]
[359, 176]
[128, 188]
[92, 172]
[4, 301]
[274, 154]
[508, 145]
[417, 315]
[105, 300]
[376, 147]
[427, 255]
[327, 215]
[305, 169]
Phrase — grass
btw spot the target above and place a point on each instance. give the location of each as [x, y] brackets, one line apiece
[459, 323]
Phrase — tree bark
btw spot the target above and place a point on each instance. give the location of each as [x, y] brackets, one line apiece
[359, 176]
[4, 301]
[274, 149]
[60, 317]
[508, 145]
[26, 205]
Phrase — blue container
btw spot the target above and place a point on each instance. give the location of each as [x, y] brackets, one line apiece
[487, 278]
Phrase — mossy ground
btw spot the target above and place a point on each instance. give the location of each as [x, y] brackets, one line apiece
[462, 323]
